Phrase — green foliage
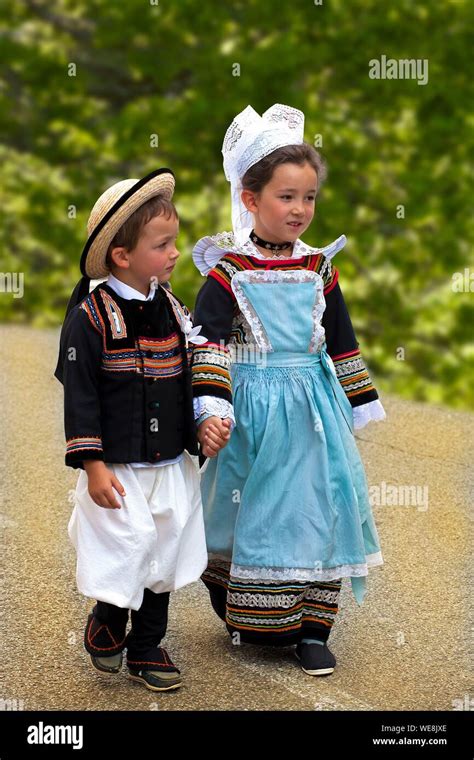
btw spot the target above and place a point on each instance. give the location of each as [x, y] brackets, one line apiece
[167, 68]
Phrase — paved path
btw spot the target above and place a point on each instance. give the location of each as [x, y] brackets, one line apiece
[406, 648]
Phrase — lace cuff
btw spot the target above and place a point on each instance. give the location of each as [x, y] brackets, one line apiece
[209, 406]
[365, 413]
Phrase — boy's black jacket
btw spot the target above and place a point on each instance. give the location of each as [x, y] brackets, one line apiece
[126, 373]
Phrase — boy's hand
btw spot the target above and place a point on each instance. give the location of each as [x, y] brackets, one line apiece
[101, 484]
[213, 435]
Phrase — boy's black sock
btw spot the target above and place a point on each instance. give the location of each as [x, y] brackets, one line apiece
[149, 625]
[110, 614]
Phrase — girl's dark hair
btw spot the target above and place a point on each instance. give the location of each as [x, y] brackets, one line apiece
[261, 173]
[128, 234]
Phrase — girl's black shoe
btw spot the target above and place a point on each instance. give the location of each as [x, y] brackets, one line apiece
[315, 659]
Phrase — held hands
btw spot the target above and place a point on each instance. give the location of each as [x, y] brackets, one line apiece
[101, 484]
[213, 435]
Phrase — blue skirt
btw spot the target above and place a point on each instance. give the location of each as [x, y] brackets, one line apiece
[287, 498]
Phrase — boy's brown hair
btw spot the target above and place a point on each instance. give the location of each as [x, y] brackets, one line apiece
[128, 234]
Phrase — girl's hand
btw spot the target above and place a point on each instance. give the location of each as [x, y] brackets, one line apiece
[101, 484]
[213, 435]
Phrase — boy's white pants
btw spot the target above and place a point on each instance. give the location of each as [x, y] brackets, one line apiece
[156, 540]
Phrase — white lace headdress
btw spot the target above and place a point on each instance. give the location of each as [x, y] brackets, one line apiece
[250, 138]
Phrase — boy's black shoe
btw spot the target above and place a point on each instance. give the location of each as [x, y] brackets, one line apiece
[315, 659]
[110, 665]
[154, 669]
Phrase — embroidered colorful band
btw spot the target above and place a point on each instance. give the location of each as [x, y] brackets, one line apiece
[89, 305]
[116, 320]
[211, 371]
[273, 612]
[153, 358]
[232, 263]
[161, 358]
[84, 443]
[352, 373]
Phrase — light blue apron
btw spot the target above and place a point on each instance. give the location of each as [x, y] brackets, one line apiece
[289, 492]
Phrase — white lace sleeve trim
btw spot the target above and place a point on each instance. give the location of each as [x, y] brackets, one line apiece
[373, 411]
[210, 249]
[211, 405]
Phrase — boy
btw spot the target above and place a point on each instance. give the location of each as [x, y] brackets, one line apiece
[137, 523]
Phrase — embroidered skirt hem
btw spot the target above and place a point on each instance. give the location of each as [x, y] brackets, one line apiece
[271, 613]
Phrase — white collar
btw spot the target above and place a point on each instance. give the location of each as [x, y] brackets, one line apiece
[210, 249]
[127, 292]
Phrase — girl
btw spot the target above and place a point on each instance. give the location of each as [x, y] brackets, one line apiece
[286, 503]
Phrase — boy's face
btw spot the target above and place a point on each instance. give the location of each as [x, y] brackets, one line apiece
[284, 209]
[153, 257]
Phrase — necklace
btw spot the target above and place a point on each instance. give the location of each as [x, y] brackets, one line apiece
[269, 246]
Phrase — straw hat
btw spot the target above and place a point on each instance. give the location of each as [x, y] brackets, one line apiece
[112, 209]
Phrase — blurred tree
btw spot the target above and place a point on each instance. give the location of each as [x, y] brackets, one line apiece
[89, 87]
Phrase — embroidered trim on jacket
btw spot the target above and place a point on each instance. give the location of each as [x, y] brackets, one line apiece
[84, 443]
[89, 305]
[117, 322]
[161, 358]
[352, 373]
[211, 371]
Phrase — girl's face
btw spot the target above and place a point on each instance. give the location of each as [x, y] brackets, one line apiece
[284, 208]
